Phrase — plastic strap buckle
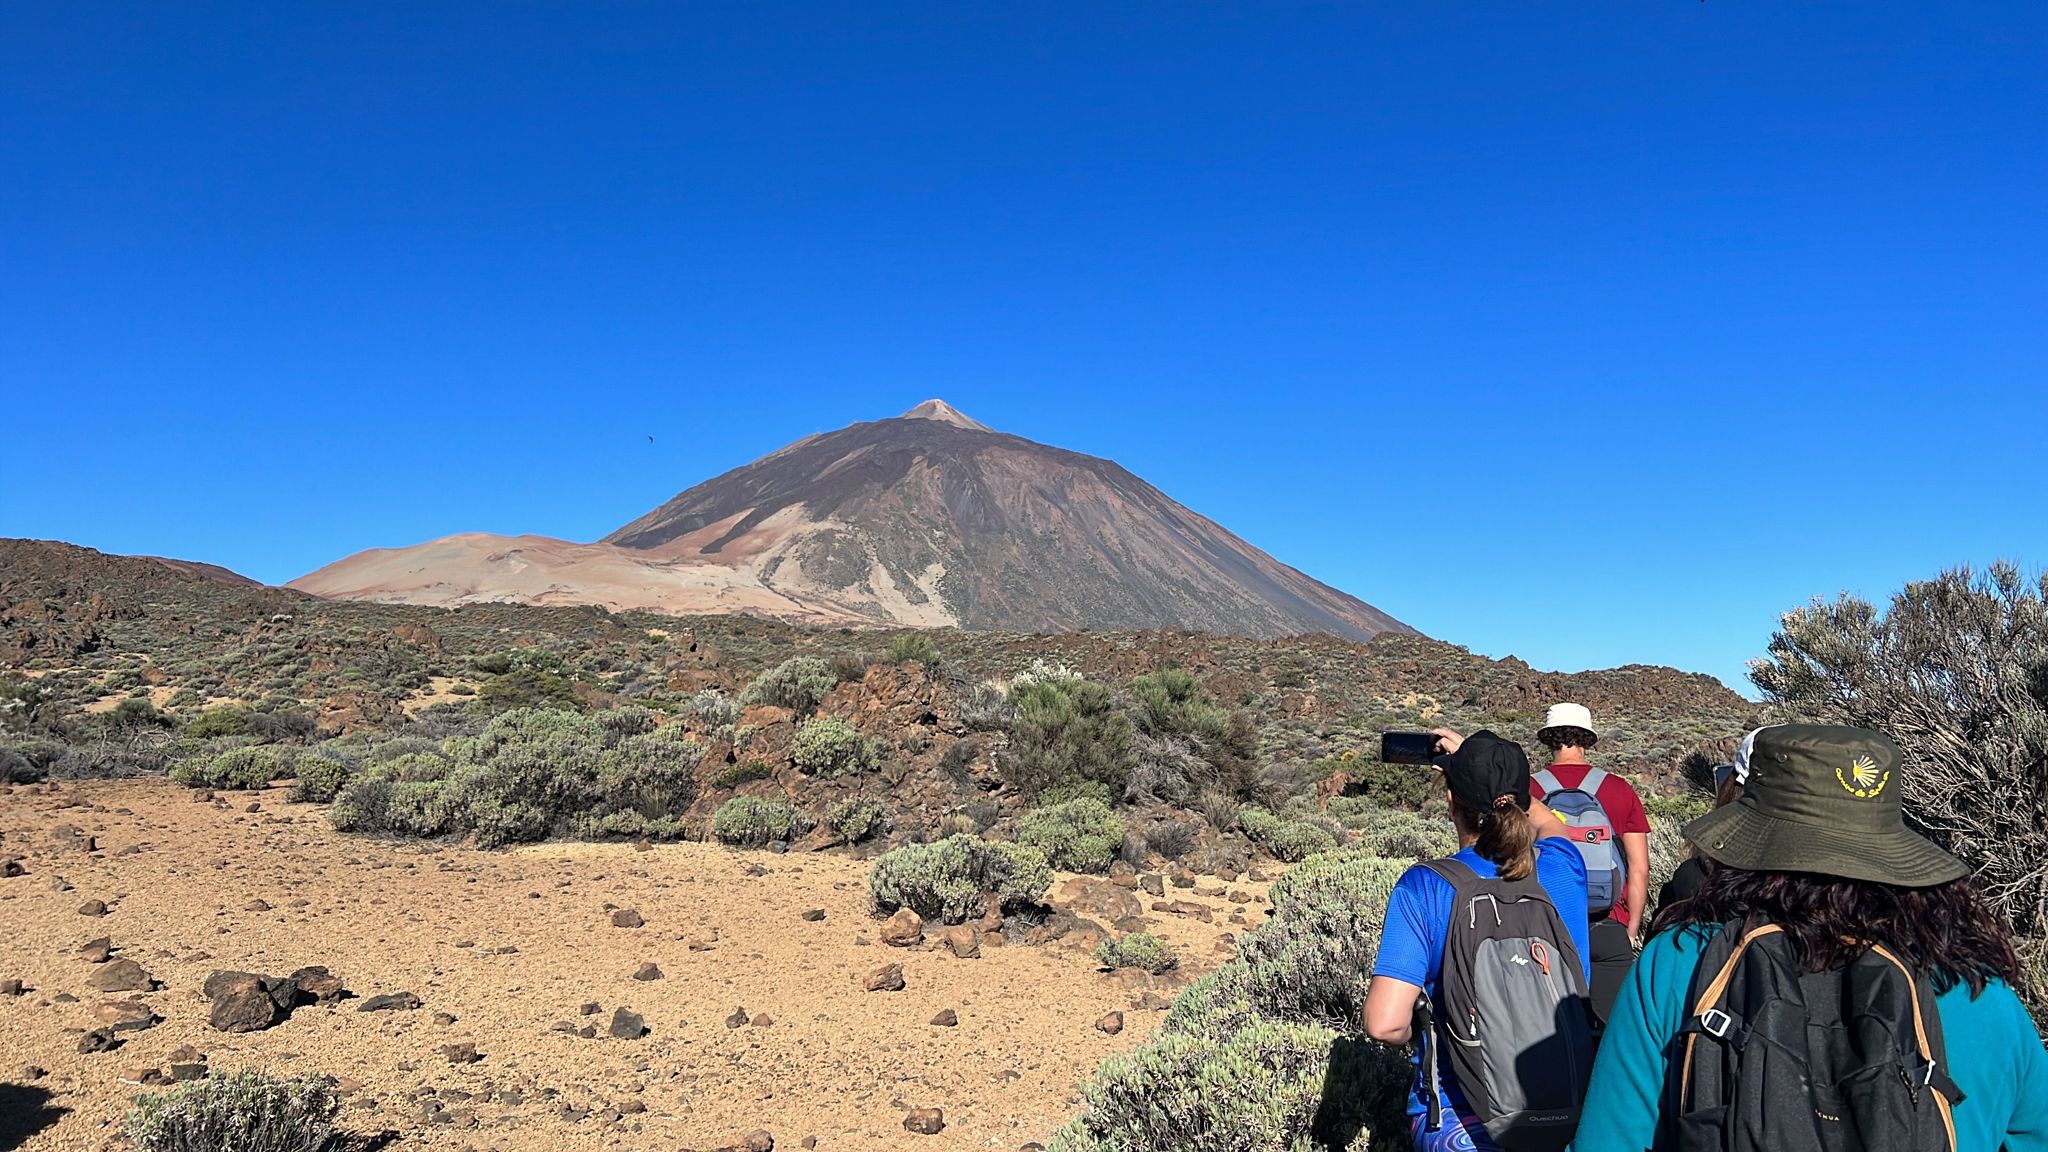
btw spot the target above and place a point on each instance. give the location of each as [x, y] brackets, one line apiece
[1716, 1023]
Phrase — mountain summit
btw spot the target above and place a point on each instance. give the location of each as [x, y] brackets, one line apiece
[928, 519]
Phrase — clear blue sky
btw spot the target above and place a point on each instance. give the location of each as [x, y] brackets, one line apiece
[1593, 333]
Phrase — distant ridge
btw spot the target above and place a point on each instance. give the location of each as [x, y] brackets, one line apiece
[928, 519]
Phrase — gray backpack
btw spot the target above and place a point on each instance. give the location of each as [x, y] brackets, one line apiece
[1513, 1019]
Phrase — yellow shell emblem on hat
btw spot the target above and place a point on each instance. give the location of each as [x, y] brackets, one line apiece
[1863, 779]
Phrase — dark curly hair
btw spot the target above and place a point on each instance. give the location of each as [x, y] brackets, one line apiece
[1567, 736]
[1944, 931]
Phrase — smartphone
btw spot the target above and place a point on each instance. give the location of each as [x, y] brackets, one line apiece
[1408, 747]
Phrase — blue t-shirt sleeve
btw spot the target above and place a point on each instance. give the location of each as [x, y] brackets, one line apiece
[1412, 942]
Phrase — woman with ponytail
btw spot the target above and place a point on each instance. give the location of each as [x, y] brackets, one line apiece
[1503, 833]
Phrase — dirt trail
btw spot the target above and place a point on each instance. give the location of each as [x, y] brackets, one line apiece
[512, 943]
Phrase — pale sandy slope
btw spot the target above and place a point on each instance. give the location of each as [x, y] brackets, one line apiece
[839, 1063]
[477, 567]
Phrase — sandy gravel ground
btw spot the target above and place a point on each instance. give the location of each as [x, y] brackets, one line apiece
[511, 944]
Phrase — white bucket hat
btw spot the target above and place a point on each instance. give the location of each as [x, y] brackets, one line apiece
[1569, 716]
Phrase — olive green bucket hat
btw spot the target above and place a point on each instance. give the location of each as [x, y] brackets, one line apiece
[1823, 799]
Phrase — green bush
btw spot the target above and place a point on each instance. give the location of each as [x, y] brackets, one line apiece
[1394, 833]
[247, 1111]
[751, 821]
[1258, 1087]
[740, 772]
[320, 779]
[914, 648]
[1138, 950]
[1266, 1053]
[1065, 733]
[829, 746]
[237, 769]
[1189, 742]
[1288, 840]
[363, 805]
[529, 773]
[226, 720]
[652, 774]
[799, 684]
[1077, 836]
[952, 881]
[857, 818]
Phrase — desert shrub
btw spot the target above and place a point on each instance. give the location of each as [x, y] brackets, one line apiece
[957, 824]
[1286, 839]
[740, 772]
[236, 769]
[361, 805]
[985, 708]
[320, 779]
[1668, 850]
[248, 1111]
[527, 774]
[829, 746]
[1172, 839]
[1066, 733]
[914, 648]
[418, 808]
[226, 720]
[20, 766]
[857, 818]
[1188, 742]
[751, 821]
[1385, 785]
[1955, 670]
[650, 773]
[799, 684]
[952, 880]
[848, 667]
[1678, 810]
[1266, 1053]
[714, 711]
[1220, 809]
[1257, 1087]
[527, 678]
[1077, 836]
[1137, 950]
[1395, 833]
[630, 720]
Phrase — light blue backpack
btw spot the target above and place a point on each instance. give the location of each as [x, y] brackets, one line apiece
[1590, 830]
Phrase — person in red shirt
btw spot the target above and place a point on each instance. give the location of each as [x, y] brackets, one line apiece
[1617, 931]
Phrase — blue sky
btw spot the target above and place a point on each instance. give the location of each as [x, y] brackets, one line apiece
[1593, 333]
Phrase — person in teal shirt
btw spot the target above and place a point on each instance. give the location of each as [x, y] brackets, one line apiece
[1818, 846]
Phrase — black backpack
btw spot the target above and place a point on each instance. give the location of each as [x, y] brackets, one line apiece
[1514, 1019]
[1772, 1057]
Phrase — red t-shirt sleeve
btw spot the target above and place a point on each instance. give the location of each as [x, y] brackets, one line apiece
[1623, 806]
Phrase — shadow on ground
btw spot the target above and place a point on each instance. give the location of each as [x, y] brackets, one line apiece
[25, 1111]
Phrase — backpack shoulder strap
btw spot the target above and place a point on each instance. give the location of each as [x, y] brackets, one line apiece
[1453, 871]
[1549, 780]
[1595, 777]
[1704, 1012]
[1928, 1039]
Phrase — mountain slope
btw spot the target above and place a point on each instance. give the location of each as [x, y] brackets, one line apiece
[928, 519]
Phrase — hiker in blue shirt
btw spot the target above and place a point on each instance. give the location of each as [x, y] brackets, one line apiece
[1836, 982]
[1505, 836]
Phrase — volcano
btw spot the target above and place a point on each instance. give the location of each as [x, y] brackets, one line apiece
[929, 519]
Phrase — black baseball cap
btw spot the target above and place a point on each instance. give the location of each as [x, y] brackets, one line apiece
[1486, 768]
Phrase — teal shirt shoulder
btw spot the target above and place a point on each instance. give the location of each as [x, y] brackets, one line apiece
[1994, 1054]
